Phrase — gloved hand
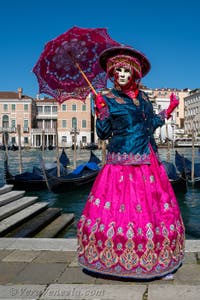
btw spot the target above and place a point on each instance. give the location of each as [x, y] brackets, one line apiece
[101, 108]
[174, 102]
[99, 102]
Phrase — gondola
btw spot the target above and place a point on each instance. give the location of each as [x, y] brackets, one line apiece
[183, 164]
[27, 181]
[177, 180]
[35, 180]
[83, 176]
[72, 181]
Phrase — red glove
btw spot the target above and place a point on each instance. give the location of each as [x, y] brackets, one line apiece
[101, 107]
[99, 102]
[174, 102]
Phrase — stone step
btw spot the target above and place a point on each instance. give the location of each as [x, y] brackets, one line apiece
[15, 206]
[10, 196]
[35, 224]
[55, 227]
[20, 217]
[6, 188]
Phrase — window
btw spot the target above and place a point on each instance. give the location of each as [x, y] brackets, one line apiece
[84, 139]
[64, 124]
[5, 121]
[47, 109]
[25, 124]
[25, 107]
[84, 107]
[74, 122]
[13, 140]
[73, 107]
[13, 107]
[5, 107]
[39, 109]
[47, 124]
[54, 124]
[64, 107]
[83, 123]
[39, 124]
[54, 109]
[64, 139]
[25, 140]
[13, 123]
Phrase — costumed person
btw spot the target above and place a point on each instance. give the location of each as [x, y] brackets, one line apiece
[131, 225]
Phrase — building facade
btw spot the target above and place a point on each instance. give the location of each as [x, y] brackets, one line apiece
[192, 113]
[174, 127]
[46, 123]
[74, 123]
[17, 117]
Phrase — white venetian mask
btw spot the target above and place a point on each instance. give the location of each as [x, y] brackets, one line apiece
[122, 75]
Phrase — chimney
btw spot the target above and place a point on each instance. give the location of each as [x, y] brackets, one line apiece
[20, 90]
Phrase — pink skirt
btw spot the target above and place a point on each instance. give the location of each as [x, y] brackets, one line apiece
[131, 225]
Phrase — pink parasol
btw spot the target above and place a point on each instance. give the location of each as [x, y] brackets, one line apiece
[69, 66]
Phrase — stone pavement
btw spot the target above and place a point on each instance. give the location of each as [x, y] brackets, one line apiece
[47, 269]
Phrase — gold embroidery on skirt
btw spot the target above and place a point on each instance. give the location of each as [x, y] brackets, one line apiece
[108, 256]
[129, 259]
[149, 258]
[81, 248]
[91, 252]
[165, 254]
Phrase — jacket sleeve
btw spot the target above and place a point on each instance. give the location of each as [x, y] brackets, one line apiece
[103, 128]
[158, 120]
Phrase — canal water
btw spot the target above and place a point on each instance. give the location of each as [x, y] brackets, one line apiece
[73, 202]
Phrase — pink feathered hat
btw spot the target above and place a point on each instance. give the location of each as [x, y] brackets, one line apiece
[122, 56]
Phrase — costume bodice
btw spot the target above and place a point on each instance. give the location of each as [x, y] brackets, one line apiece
[129, 125]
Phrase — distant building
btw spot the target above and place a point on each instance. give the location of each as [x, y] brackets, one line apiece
[160, 99]
[74, 118]
[44, 131]
[45, 122]
[17, 111]
[192, 113]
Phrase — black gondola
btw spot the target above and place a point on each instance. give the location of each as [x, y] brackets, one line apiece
[83, 176]
[183, 164]
[14, 147]
[43, 178]
[178, 181]
[71, 181]
[35, 180]
[27, 181]
[64, 159]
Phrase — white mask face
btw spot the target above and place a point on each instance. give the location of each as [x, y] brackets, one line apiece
[122, 75]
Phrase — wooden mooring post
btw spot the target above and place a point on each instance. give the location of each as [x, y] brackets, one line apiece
[20, 147]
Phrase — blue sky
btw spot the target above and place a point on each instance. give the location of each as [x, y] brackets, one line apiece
[166, 31]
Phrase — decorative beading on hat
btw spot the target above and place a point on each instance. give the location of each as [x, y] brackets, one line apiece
[136, 59]
[124, 61]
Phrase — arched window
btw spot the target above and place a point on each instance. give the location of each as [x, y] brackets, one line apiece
[5, 121]
[74, 122]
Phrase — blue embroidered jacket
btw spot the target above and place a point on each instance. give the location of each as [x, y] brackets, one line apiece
[129, 125]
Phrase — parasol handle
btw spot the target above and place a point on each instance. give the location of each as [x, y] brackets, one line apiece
[85, 77]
